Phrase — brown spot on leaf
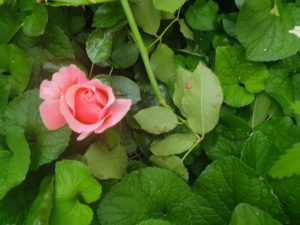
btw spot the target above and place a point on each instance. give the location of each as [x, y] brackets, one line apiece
[189, 84]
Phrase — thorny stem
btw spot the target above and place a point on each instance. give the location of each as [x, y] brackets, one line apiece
[143, 51]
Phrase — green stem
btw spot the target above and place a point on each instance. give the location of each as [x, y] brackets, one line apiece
[143, 51]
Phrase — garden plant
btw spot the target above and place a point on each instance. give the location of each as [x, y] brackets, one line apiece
[149, 112]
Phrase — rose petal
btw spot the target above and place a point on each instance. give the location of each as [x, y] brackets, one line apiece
[50, 114]
[48, 90]
[73, 123]
[118, 110]
[104, 89]
[68, 76]
[82, 136]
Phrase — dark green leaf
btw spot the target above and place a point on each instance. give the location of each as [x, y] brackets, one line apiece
[125, 55]
[107, 15]
[34, 24]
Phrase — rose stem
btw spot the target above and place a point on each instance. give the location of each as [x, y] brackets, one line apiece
[143, 50]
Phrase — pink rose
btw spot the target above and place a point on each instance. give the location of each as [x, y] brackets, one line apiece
[85, 105]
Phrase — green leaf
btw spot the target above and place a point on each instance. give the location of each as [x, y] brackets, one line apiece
[4, 95]
[259, 153]
[34, 24]
[239, 3]
[155, 222]
[11, 21]
[260, 109]
[146, 16]
[107, 158]
[173, 144]
[173, 163]
[98, 46]
[296, 107]
[240, 78]
[156, 119]
[72, 2]
[288, 192]
[149, 193]
[185, 30]
[125, 55]
[15, 68]
[73, 180]
[14, 207]
[45, 145]
[14, 160]
[266, 35]
[247, 214]
[168, 6]
[202, 15]
[201, 98]
[287, 164]
[40, 210]
[108, 15]
[227, 182]
[163, 63]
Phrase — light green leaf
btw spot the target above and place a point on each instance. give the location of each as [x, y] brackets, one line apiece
[239, 3]
[15, 68]
[259, 153]
[260, 109]
[185, 30]
[125, 55]
[146, 16]
[266, 35]
[173, 144]
[108, 15]
[287, 164]
[156, 119]
[98, 46]
[227, 182]
[296, 107]
[14, 160]
[155, 222]
[173, 163]
[163, 63]
[4, 95]
[73, 2]
[40, 210]
[246, 214]
[201, 100]
[146, 194]
[239, 77]
[34, 24]
[45, 145]
[73, 179]
[202, 15]
[107, 158]
[168, 6]
[288, 192]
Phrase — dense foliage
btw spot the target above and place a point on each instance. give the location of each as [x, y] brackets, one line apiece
[213, 133]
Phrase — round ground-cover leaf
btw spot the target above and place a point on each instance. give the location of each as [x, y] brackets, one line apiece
[156, 119]
[199, 96]
[34, 24]
[98, 46]
[228, 182]
[15, 68]
[260, 109]
[259, 153]
[173, 144]
[202, 15]
[288, 192]
[171, 162]
[155, 222]
[40, 210]
[107, 158]
[147, 16]
[45, 145]
[287, 164]
[163, 63]
[125, 55]
[73, 180]
[240, 78]
[168, 6]
[107, 15]
[263, 28]
[14, 160]
[145, 194]
[247, 214]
